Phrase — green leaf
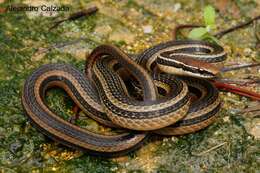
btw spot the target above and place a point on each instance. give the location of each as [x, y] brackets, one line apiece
[197, 33]
[209, 16]
[210, 38]
[214, 39]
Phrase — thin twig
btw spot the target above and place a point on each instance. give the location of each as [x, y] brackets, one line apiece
[75, 16]
[238, 67]
[251, 109]
[209, 150]
[242, 82]
[219, 34]
[257, 34]
[58, 45]
[183, 26]
[63, 44]
[241, 25]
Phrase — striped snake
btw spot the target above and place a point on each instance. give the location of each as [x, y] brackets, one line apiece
[103, 93]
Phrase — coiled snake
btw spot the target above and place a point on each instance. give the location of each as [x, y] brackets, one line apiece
[165, 106]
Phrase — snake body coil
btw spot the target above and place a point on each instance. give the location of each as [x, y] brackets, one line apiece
[103, 95]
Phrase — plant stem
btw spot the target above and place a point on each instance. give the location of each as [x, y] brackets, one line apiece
[238, 67]
[241, 25]
[75, 16]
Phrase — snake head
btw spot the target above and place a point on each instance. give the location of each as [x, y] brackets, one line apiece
[187, 66]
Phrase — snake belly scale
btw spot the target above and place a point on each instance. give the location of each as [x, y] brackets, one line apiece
[103, 95]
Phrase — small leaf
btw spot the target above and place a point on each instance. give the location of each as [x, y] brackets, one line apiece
[209, 16]
[197, 33]
[214, 39]
[210, 38]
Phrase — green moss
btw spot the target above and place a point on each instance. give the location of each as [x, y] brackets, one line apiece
[88, 164]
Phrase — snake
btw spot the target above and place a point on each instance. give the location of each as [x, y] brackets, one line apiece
[168, 74]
